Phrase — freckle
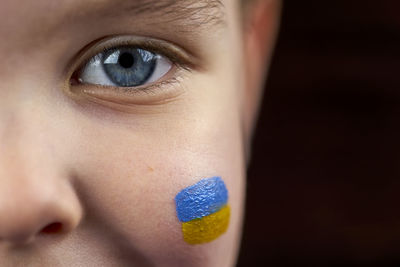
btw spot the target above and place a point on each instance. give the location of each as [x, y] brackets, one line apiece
[150, 169]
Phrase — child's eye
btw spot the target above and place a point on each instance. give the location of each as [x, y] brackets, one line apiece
[129, 71]
[124, 66]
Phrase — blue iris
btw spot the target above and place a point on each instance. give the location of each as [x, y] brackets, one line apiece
[127, 67]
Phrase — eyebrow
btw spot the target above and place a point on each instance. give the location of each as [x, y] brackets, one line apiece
[193, 12]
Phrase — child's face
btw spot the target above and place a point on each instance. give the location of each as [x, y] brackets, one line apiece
[93, 155]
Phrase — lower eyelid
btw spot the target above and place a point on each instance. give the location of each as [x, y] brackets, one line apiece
[123, 98]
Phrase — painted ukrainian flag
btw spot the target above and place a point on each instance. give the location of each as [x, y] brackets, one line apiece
[203, 210]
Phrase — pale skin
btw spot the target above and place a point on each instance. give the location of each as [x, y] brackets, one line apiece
[88, 177]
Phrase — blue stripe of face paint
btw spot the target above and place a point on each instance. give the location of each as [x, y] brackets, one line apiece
[202, 199]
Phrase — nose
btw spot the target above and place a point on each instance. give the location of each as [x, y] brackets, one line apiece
[37, 198]
[28, 211]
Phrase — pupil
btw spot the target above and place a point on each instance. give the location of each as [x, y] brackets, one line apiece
[126, 60]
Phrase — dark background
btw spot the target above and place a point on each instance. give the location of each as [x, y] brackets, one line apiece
[323, 186]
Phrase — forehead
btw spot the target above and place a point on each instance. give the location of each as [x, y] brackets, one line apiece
[49, 11]
[44, 19]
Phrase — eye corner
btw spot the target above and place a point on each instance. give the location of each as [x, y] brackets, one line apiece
[74, 79]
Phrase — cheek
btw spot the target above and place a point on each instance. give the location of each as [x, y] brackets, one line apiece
[130, 181]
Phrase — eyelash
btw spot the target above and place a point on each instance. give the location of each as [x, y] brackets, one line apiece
[180, 59]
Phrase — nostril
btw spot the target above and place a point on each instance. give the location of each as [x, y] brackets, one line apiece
[52, 228]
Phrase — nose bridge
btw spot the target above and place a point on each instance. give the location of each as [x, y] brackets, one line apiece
[25, 141]
[26, 159]
[34, 189]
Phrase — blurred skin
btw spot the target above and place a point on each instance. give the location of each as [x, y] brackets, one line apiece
[88, 175]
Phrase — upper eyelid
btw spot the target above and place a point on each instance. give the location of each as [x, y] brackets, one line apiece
[173, 52]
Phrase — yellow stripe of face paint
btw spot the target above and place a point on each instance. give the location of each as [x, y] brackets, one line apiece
[208, 228]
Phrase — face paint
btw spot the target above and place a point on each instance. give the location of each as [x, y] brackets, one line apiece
[203, 210]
